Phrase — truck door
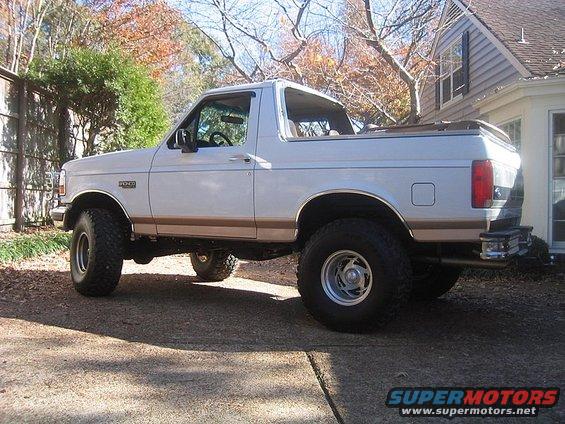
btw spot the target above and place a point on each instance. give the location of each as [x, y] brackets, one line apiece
[209, 193]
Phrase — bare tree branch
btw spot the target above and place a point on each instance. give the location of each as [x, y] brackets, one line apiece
[229, 56]
[229, 22]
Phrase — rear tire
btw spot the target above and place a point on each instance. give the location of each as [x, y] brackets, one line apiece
[434, 281]
[216, 265]
[354, 275]
[97, 253]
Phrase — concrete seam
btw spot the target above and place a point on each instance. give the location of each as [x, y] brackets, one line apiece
[322, 383]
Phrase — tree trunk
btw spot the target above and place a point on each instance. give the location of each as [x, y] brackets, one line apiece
[89, 144]
[412, 83]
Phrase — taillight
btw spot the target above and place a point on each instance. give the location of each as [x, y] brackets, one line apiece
[482, 183]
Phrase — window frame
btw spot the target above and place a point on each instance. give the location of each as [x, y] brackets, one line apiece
[555, 246]
[449, 48]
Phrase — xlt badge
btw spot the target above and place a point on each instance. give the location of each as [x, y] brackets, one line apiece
[127, 184]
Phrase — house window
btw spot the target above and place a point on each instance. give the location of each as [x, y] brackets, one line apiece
[558, 206]
[514, 131]
[451, 72]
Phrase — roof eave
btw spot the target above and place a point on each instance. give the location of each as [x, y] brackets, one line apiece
[522, 88]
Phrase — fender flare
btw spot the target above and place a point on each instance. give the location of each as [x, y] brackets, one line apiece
[110, 195]
[353, 191]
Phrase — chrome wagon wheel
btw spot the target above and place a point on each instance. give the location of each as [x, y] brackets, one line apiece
[346, 278]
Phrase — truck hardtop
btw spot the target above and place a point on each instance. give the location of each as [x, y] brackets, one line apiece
[258, 171]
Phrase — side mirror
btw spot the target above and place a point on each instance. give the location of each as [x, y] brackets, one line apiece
[185, 141]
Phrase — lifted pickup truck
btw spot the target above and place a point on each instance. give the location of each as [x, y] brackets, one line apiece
[264, 170]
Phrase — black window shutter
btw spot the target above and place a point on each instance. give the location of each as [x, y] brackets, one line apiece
[437, 85]
[465, 61]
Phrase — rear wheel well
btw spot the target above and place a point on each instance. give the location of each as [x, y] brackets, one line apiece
[95, 200]
[330, 207]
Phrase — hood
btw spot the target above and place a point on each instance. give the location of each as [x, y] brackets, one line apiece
[125, 161]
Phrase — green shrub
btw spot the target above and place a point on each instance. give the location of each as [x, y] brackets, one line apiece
[115, 98]
[29, 245]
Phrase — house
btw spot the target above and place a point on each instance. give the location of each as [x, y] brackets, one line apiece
[503, 61]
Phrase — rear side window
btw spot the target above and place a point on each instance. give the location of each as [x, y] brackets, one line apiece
[311, 116]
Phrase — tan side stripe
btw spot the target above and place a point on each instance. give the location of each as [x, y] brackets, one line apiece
[205, 222]
[447, 225]
[142, 220]
[216, 222]
[276, 223]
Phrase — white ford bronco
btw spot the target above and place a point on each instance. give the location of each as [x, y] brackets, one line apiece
[263, 170]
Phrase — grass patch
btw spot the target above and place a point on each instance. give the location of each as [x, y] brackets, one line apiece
[30, 245]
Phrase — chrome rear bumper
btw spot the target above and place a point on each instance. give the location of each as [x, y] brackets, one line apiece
[504, 244]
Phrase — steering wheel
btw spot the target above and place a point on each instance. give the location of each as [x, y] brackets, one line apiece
[221, 134]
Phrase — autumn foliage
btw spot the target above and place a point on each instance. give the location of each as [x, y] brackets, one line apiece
[147, 29]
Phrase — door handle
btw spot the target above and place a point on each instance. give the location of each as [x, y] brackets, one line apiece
[244, 158]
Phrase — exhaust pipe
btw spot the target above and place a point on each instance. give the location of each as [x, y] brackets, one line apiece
[475, 263]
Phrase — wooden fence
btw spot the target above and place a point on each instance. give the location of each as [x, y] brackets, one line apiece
[35, 138]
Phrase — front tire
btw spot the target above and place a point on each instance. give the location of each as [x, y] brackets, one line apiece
[354, 275]
[97, 253]
[216, 265]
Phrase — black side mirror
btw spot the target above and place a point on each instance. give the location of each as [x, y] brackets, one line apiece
[185, 141]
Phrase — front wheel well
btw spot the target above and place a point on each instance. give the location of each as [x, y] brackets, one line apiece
[327, 208]
[96, 200]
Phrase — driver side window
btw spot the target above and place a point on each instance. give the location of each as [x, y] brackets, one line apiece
[219, 121]
[223, 122]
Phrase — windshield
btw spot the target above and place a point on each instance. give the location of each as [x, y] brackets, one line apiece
[311, 116]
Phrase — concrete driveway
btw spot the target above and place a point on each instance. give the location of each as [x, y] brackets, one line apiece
[166, 347]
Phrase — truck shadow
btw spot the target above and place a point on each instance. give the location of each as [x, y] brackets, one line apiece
[184, 312]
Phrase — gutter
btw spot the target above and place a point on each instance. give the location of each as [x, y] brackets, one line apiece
[548, 83]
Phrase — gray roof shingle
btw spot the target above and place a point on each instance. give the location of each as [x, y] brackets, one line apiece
[543, 22]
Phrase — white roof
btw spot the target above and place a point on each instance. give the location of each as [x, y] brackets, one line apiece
[268, 84]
